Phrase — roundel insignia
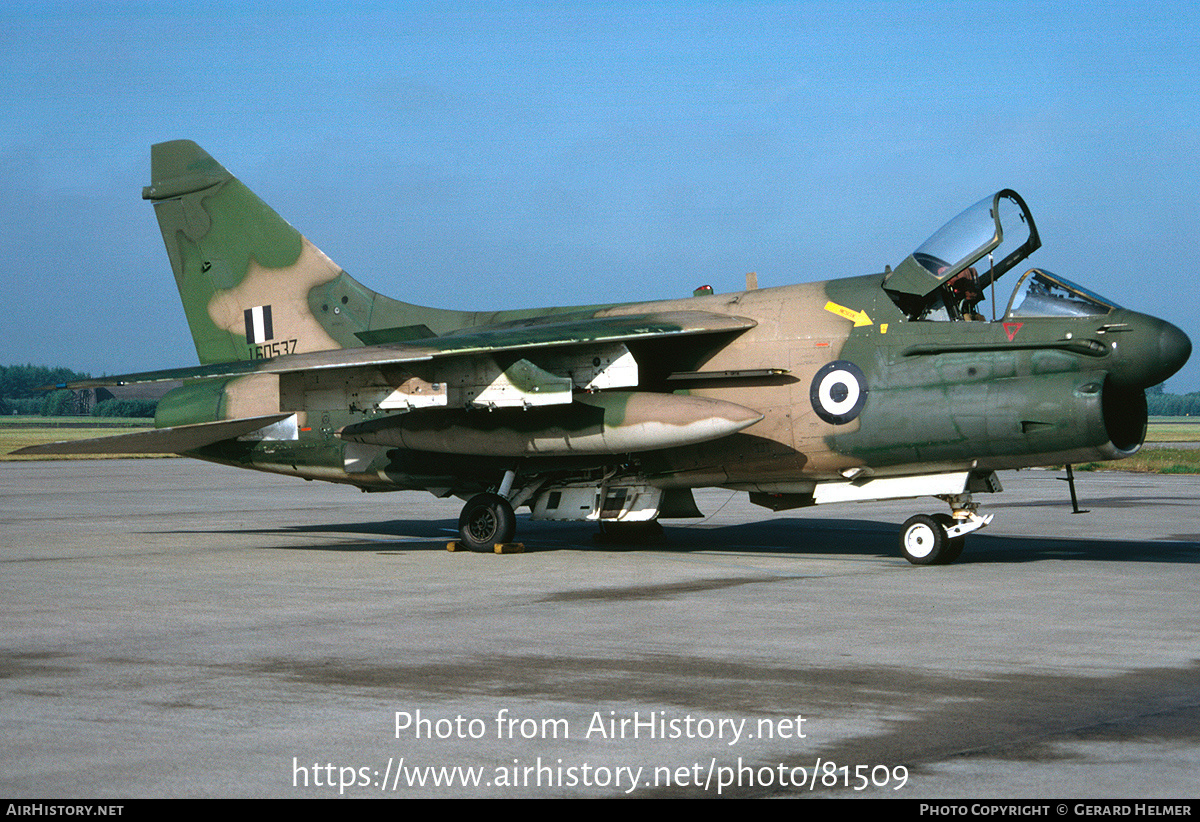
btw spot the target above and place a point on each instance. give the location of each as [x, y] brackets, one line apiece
[838, 392]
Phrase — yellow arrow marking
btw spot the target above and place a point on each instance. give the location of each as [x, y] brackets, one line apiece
[860, 318]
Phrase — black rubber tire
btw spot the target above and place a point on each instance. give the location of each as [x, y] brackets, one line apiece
[485, 520]
[923, 540]
[955, 547]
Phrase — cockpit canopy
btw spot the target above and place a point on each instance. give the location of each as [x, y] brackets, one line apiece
[999, 227]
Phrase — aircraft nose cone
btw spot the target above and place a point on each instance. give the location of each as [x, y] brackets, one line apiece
[1149, 351]
[1174, 348]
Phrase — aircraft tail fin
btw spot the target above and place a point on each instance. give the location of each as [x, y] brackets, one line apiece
[251, 285]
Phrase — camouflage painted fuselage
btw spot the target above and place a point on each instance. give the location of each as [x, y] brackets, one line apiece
[773, 391]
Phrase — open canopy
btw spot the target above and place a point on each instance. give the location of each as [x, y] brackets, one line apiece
[999, 226]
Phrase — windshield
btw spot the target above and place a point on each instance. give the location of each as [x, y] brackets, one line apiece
[1042, 294]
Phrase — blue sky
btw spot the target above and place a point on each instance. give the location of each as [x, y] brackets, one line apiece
[503, 155]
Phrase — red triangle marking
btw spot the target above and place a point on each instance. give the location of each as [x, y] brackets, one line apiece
[1011, 329]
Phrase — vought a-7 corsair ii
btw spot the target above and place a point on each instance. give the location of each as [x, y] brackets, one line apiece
[883, 386]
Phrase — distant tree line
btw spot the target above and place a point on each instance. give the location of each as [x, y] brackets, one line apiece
[20, 394]
[1161, 404]
[124, 408]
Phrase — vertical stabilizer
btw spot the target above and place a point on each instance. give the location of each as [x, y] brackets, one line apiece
[244, 274]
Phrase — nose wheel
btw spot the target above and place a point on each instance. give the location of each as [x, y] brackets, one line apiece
[938, 539]
[923, 540]
[954, 545]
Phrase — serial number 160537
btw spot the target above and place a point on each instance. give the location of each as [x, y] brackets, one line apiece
[273, 349]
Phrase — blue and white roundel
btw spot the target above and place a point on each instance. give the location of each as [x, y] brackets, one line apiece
[838, 392]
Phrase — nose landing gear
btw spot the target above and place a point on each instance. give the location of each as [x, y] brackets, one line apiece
[938, 539]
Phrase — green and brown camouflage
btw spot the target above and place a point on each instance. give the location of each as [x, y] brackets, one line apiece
[232, 254]
[861, 388]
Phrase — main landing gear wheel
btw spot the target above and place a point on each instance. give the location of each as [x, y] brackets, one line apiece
[485, 520]
[923, 541]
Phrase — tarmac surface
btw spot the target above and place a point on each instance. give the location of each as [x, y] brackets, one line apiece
[172, 628]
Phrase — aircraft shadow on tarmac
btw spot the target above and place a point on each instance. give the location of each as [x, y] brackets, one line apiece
[796, 536]
[1125, 501]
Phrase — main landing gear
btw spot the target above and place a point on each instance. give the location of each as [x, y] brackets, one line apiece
[486, 520]
[938, 539]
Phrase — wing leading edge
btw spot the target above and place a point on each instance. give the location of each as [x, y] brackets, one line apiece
[517, 336]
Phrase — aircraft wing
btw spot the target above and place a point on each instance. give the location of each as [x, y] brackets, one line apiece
[551, 332]
[174, 440]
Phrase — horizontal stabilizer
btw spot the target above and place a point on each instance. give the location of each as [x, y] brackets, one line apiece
[175, 440]
[518, 336]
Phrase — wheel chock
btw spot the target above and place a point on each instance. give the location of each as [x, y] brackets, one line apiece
[499, 547]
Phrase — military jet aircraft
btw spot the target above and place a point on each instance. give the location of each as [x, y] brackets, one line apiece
[884, 386]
